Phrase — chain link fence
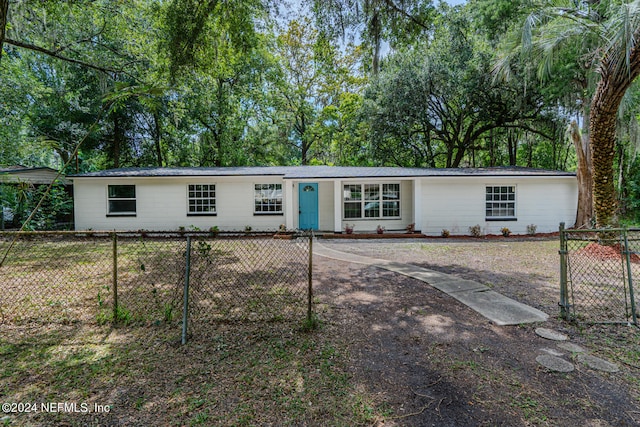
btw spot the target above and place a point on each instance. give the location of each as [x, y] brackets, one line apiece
[597, 273]
[128, 278]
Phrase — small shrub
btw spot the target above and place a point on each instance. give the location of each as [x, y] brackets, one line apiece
[445, 233]
[348, 228]
[203, 248]
[282, 228]
[531, 229]
[380, 229]
[247, 229]
[168, 312]
[505, 231]
[123, 316]
[411, 228]
[476, 230]
[311, 323]
[213, 231]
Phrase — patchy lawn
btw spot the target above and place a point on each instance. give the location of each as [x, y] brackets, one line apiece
[390, 351]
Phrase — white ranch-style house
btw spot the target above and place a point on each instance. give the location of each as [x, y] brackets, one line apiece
[325, 198]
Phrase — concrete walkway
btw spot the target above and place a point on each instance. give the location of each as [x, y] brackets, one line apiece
[492, 305]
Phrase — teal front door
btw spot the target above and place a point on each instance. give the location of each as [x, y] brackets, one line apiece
[308, 205]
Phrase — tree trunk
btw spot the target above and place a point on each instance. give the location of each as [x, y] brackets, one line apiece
[512, 146]
[611, 88]
[602, 127]
[584, 174]
[375, 29]
[4, 11]
[158, 137]
[117, 141]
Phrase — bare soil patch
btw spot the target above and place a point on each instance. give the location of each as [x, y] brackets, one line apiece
[432, 361]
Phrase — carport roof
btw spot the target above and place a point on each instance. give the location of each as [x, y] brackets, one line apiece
[319, 172]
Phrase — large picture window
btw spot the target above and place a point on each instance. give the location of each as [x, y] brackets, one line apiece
[202, 199]
[121, 200]
[500, 202]
[268, 199]
[371, 201]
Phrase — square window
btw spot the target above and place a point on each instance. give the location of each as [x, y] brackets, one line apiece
[267, 199]
[202, 199]
[500, 202]
[121, 200]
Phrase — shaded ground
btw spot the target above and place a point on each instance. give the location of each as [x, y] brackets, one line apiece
[432, 361]
[391, 351]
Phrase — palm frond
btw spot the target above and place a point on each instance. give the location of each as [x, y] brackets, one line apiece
[623, 32]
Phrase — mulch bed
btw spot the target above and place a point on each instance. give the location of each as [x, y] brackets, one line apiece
[600, 252]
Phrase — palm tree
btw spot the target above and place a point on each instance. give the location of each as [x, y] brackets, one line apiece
[618, 68]
[607, 33]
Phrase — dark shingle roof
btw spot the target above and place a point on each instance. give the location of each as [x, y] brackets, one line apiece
[319, 172]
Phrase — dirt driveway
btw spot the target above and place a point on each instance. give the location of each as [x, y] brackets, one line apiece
[431, 361]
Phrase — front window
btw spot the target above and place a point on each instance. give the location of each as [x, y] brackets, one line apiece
[121, 200]
[500, 202]
[352, 201]
[371, 201]
[268, 199]
[202, 199]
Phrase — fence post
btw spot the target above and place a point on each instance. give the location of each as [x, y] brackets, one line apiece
[564, 294]
[185, 299]
[310, 278]
[627, 252]
[115, 277]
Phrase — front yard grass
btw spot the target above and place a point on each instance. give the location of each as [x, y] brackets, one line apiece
[240, 374]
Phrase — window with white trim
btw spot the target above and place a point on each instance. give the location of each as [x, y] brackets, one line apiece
[500, 202]
[201, 199]
[268, 199]
[121, 200]
[362, 201]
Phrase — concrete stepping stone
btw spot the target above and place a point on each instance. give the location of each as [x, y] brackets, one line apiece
[552, 352]
[573, 348]
[555, 363]
[597, 363]
[551, 334]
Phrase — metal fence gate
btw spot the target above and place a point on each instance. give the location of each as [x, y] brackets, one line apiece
[598, 269]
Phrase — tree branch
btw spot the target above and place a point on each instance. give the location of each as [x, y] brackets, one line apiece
[4, 10]
[54, 54]
[412, 18]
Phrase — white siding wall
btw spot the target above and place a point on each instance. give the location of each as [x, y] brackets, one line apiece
[452, 203]
[456, 204]
[161, 204]
[325, 205]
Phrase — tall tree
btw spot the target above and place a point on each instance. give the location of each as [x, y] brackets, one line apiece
[608, 33]
[434, 103]
[314, 77]
[375, 22]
